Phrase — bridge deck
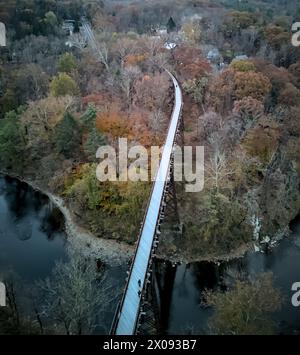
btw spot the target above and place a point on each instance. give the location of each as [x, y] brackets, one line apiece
[130, 305]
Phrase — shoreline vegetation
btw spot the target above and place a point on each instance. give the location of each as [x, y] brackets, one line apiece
[240, 78]
[114, 252]
[111, 252]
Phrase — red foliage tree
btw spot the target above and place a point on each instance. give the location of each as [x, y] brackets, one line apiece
[190, 63]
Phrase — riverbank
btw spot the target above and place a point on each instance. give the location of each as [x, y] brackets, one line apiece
[216, 259]
[173, 249]
[115, 253]
[111, 252]
[183, 287]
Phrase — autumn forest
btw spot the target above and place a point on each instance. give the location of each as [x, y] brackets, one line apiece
[61, 99]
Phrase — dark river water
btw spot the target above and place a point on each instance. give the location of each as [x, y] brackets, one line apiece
[32, 239]
[183, 286]
[31, 231]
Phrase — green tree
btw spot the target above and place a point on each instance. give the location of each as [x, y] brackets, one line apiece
[50, 22]
[89, 117]
[243, 19]
[251, 84]
[67, 63]
[27, 83]
[277, 36]
[171, 25]
[67, 136]
[62, 85]
[8, 102]
[12, 143]
[93, 141]
[246, 309]
[242, 65]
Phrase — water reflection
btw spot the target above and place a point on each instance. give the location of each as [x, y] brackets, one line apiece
[31, 235]
[185, 313]
[32, 240]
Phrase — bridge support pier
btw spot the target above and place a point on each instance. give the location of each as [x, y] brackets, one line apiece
[171, 203]
[148, 323]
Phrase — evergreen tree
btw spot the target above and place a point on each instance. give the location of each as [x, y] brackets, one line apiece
[63, 85]
[171, 25]
[94, 140]
[66, 63]
[12, 141]
[89, 117]
[67, 136]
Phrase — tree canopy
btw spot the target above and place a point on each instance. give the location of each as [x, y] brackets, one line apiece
[246, 309]
[62, 85]
[67, 137]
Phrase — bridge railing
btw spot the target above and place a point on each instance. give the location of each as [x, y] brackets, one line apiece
[153, 247]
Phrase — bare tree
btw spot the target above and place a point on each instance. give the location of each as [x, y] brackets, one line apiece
[16, 317]
[99, 45]
[211, 122]
[129, 74]
[157, 120]
[152, 45]
[102, 53]
[124, 47]
[157, 56]
[160, 60]
[41, 117]
[218, 169]
[152, 91]
[76, 295]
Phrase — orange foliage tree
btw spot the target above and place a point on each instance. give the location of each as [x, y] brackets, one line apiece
[262, 140]
[190, 63]
[134, 59]
[143, 131]
[248, 108]
[289, 95]
[221, 91]
[114, 124]
[294, 69]
[136, 127]
[251, 84]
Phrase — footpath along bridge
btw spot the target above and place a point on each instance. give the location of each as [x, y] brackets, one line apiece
[130, 309]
